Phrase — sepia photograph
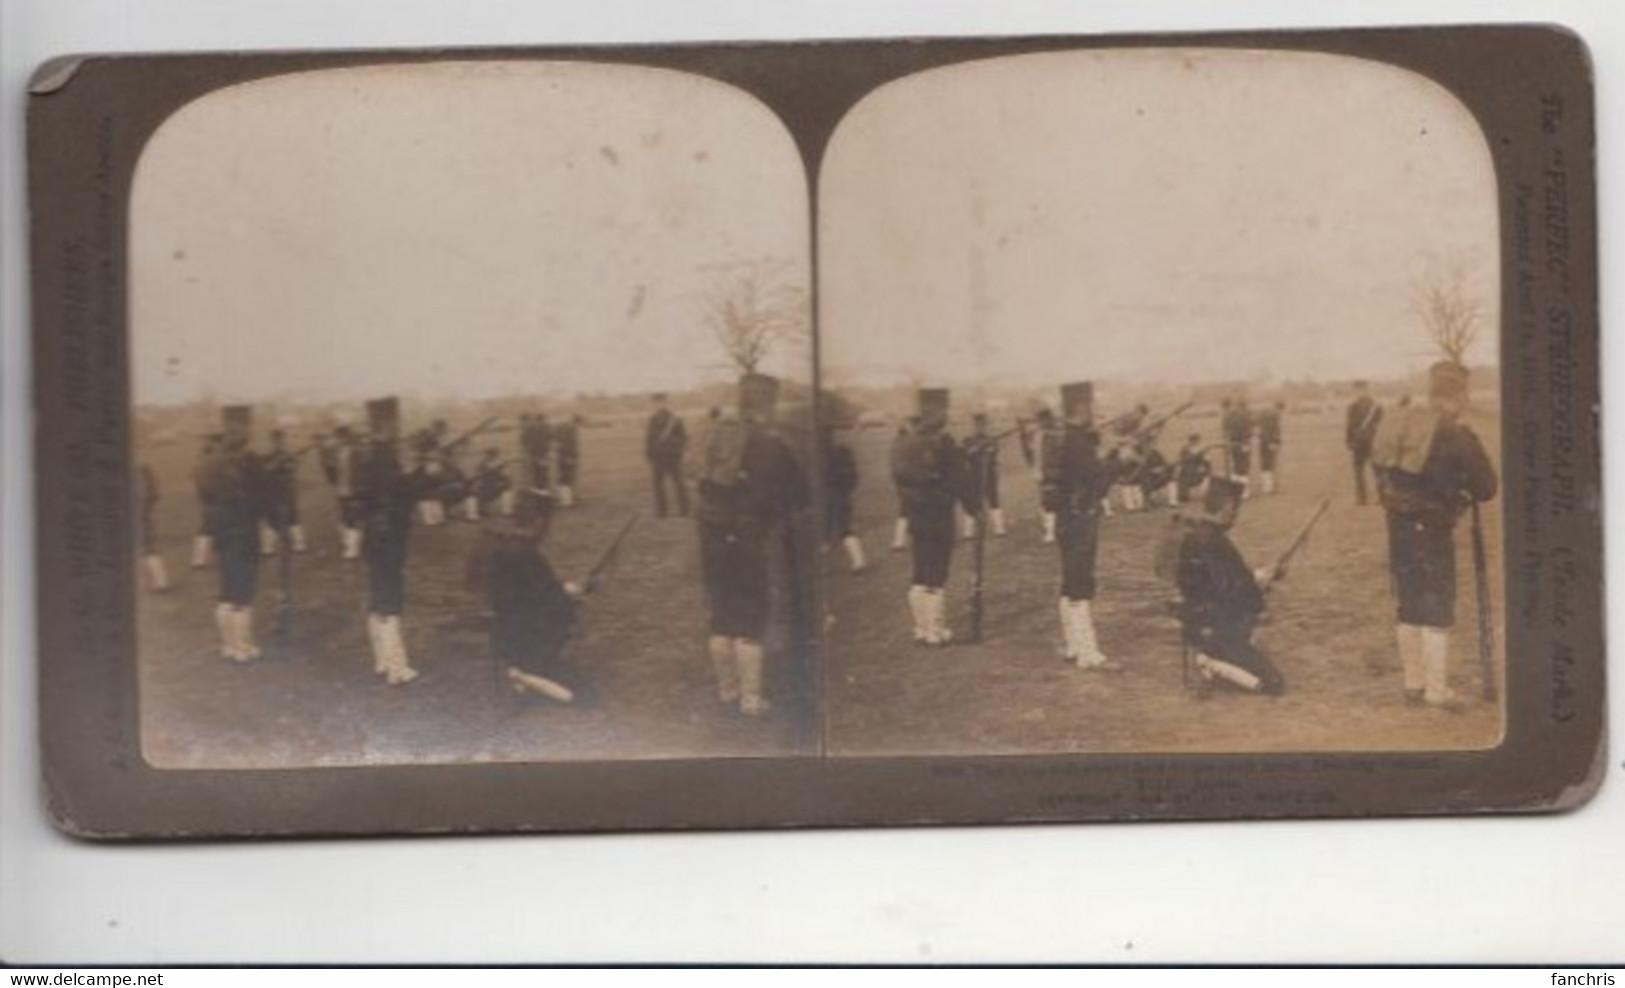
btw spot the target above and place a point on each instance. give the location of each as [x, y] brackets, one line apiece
[1167, 405]
[472, 412]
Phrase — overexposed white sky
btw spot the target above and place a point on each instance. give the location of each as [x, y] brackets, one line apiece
[1177, 215]
[459, 229]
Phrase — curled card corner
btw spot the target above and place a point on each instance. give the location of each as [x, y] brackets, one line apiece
[52, 75]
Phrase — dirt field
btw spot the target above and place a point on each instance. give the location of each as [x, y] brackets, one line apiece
[314, 700]
[1329, 629]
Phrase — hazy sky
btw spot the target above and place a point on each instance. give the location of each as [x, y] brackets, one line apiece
[462, 229]
[1184, 215]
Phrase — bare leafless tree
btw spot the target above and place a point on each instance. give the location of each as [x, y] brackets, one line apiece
[755, 307]
[1451, 314]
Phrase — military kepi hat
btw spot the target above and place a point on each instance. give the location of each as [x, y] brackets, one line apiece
[758, 393]
[383, 412]
[1078, 396]
[1222, 492]
[1447, 379]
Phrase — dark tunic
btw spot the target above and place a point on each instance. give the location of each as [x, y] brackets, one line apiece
[233, 486]
[1193, 469]
[1360, 431]
[281, 476]
[735, 523]
[490, 481]
[1221, 601]
[1154, 472]
[532, 614]
[567, 445]
[928, 504]
[665, 442]
[1075, 479]
[1422, 512]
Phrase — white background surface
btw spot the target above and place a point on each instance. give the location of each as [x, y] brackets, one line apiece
[1487, 890]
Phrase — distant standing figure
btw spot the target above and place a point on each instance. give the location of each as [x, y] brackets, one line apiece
[982, 461]
[1269, 445]
[234, 485]
[1039, 447]
[1430, 468]
[1237, 423]
[207, 465]
[841, 479]
[151, 559]
[905, 429]
[1193, 469]
[567, 451]
[665, 443]
[281, 473]
[1360, 431]
[931, 476]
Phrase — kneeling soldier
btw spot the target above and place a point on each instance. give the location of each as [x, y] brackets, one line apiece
[1222, 598]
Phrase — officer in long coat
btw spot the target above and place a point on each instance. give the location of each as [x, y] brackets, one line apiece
[750, 487]
[1076, 478]
[1431, 467]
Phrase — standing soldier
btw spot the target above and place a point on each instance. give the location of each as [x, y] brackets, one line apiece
[207, 465]
[749, 488]
[535, 448]
[281, 473]
[1075, 479]
[665, 442]
[1221, 599]
[386, 497]
[931, 476]
[1430, 468]
[1237, 423]
[1360, 430]
[345, 456]
[151, 560]
[1269, 445]
[490, 482]
[841, 482]
[233, 486]
[1193, 468]
[1038, 447]
[567, 450]
[982, 459]
[905, 429]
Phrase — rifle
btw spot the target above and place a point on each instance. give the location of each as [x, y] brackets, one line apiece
[607, 557]
[456, 441]
[983, 465]
[1486, 630]
[1278, 569]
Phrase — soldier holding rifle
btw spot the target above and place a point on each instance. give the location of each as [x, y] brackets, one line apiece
[929, 470]
[1075, 480]
[1431, 468]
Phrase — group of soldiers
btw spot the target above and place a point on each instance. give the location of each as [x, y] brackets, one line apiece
[750, 489]
[1430, 469]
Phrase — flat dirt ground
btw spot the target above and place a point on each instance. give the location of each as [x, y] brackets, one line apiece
[1329, 629]
[314, 700]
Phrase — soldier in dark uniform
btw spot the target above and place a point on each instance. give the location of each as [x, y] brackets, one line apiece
[1193, 468]
[1430, 468]
[841, 483]
[899, 535]
[750, 487]
[931, 475]
[233, 486]
[1154, 475]
[1363, 419]
[567, 450]
[1075, 481]
[533, 611]
[982, 461]
[1221, 598]
[339, 462]
[452, 485]
[665, 443]
[490, 482]
[151, 559]
[386, 496]
[535, 451]
[281, 474]
[1038, 446]
[1237, 423]
[206, 466]
[427, 467]
[1269, 445]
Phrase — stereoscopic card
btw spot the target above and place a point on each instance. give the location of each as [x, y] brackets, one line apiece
[817, 434]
